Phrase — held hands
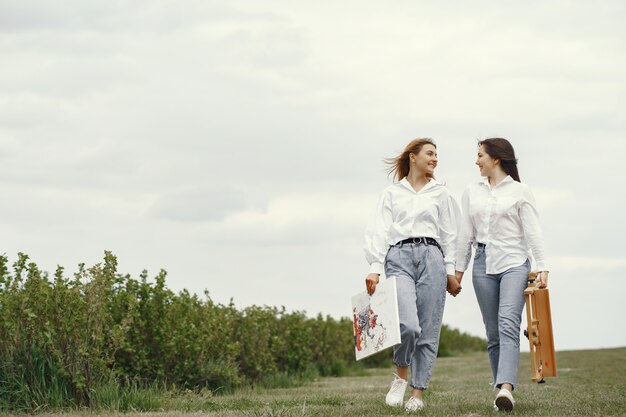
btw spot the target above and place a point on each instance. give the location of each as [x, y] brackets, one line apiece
[370, 282]
[454, 283]
[454, 286]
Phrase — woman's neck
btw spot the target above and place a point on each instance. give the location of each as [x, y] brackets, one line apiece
[497, 177]
[417, 180]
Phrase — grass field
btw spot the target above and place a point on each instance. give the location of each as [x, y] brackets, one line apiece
[590, 383]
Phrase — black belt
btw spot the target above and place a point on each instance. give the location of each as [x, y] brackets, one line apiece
[480, 245]
[424, 240]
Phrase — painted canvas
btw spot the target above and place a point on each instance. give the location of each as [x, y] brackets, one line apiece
[376, 321]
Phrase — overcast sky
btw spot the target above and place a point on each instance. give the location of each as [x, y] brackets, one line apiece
[239, 144]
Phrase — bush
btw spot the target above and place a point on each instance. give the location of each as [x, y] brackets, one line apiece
[105, 340]
[452, 342]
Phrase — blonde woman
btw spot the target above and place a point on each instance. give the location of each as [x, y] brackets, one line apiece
[412, 237]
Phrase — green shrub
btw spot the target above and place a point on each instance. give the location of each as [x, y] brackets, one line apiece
[453, 342]
[104, 340]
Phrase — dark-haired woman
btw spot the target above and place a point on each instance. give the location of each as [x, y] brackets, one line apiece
[411, 230]
[501, 220]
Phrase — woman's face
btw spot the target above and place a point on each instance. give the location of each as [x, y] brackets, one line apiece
[426, 159]
[486, 164]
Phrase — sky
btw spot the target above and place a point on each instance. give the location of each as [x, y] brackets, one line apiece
[239, 145]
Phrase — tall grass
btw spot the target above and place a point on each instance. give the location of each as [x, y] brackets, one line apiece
[105, 340]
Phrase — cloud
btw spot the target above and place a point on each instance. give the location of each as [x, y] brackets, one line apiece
[109, 16]
[91, 166]
[199, 204]
[596, 264]
[296, 219]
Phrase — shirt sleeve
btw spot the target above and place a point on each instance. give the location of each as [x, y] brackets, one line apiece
[533, 234]
[376, 233]
[467, 235]
[448, 226]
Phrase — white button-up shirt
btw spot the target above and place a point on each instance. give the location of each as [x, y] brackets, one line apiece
[505, 219]
[403, 213]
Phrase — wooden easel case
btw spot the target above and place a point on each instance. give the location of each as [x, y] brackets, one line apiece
[539, 331]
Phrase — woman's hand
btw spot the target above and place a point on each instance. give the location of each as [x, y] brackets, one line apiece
[543, 279]
[459, 276]
[370, 282]
[454, 287]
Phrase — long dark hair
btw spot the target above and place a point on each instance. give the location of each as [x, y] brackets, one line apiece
[399, 166]
[501, 149]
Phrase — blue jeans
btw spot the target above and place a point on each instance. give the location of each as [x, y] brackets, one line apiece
[421, 284]
[501, 300]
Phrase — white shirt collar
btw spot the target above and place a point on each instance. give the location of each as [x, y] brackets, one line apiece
[485, 181]
[431, 183]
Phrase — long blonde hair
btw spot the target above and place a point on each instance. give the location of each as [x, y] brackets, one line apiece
[400, 165]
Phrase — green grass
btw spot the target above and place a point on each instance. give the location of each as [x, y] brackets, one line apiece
[590, 383]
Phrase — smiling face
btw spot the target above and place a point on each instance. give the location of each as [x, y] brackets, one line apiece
[486, 163]
[425, 160]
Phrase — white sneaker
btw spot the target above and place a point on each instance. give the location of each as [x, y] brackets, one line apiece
[414, 404]
[504, 400]
[395, 396]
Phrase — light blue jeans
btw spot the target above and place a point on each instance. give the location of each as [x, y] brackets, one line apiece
[501, 300]
[421, 284]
